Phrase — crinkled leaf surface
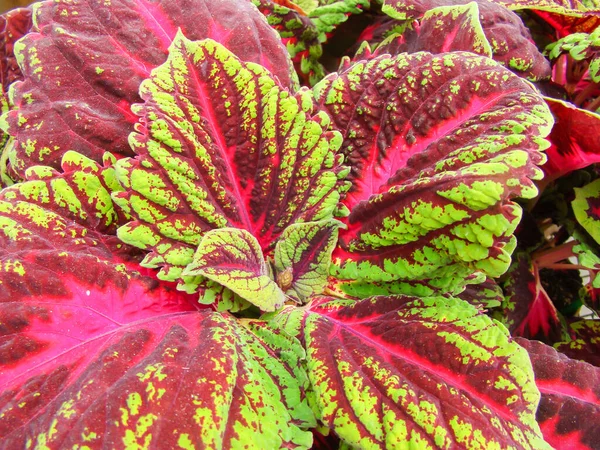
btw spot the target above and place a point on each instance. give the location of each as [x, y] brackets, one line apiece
[569, 410]
[303, 256]
[96, 353]
[84, 65]
[586, 207]
[486, 295]
[401, 372]
[506, 36]
[223, 145]
[13, 25]
[437, 145]
[573, 139]
[233, 258]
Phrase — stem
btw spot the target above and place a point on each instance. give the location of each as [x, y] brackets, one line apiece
[559, 70]
[553, 255]
[585, 93]
[595, 104]
[564, 266]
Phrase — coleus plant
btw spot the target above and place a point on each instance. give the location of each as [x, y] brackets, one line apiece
[197, 252]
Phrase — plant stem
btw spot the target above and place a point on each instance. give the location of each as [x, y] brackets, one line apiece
[565, 266]
[585, 93]
[559, 70]
[553, 255]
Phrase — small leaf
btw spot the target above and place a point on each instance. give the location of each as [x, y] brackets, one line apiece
[401, 372]
[233, 258]
[584, 344]
[586, 207]
[569, 410]
[304, 253]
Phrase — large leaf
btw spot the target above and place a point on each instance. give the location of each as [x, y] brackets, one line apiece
[84, 65]
[95, 353]
[569, 410]
[259, 161]
[401, 372]
[437, 145]
[509, 40]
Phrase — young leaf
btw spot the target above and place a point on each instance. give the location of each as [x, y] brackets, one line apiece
[586, 208]
[437, 145]
[569, 410]
[223, 145]
[303, 257]
[85, 62]
[233, 258]
[432, 373]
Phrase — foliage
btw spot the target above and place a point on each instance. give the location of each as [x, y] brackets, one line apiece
[312, 224]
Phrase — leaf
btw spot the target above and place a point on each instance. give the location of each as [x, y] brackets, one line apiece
[96, 353]
[573, 139]
[437, 145]
[507, 38]
[569, 410]
[586, 208]
[401, 372]
[85, 62]
[233, 258]
[303, 256]
[258, 161]
[527, 310]
[584, 342]
[13, 25]
[486, 295]
[300, 36]
[580, 46]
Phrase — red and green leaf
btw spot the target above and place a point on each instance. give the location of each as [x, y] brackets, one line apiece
[85, 61]
[233, 258]
[569, 410]
[580, 46]
[586, 208]
[437, 145]
[508, 39]
[97, 353]
[303, 256]
[584, 344]
[432, 373]
[221, 144]
[299, 34]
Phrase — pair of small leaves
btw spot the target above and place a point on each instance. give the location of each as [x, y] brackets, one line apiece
[233, 258]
